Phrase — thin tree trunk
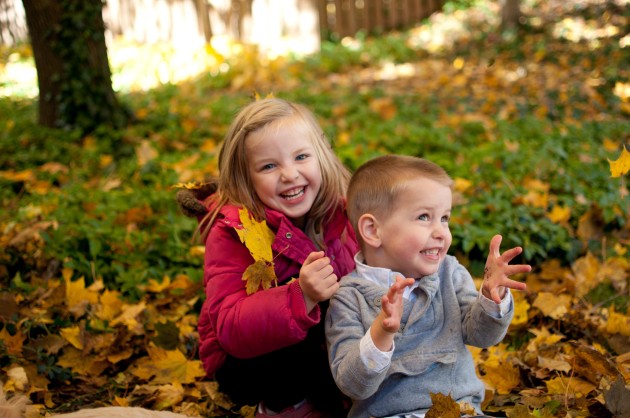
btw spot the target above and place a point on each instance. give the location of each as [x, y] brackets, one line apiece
[510, 14]
[39, 16]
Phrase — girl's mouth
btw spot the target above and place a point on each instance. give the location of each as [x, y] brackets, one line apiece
[293, 193]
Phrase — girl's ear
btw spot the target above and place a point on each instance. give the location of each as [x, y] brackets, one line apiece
[368, 228]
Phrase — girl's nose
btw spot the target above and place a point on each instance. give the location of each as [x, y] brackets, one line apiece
[290, 173]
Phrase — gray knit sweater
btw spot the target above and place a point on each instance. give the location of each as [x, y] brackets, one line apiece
[430, 354]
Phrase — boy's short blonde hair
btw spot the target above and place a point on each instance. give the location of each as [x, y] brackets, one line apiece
[376, 185]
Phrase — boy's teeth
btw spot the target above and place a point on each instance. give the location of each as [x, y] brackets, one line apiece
[430, 252]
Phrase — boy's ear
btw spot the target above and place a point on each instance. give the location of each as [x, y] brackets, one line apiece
[368, 228]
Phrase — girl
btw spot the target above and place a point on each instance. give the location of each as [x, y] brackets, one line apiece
[266, 345]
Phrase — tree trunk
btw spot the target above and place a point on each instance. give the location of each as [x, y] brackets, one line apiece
[74, 79]
[510, 14]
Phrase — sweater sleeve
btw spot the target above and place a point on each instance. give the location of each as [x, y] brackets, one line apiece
[249, 325]
[480, 327]
[344, 331]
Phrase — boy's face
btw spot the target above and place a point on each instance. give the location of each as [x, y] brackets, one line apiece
[415, 237]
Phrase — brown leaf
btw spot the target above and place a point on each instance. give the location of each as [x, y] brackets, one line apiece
[443, 407]
[592, 365]
[257, 274]
[618, 399]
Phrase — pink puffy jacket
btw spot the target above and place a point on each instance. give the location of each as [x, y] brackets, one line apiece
[248, 326]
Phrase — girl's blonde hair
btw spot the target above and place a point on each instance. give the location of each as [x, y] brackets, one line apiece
[235, 184]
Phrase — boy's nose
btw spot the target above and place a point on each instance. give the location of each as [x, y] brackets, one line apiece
[438, 231]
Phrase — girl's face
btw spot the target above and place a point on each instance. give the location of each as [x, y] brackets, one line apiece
[415, 237]
[284, 169]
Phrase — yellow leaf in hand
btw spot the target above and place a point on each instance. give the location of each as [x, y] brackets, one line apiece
[256, 236]
[257, 274]
[621, 165]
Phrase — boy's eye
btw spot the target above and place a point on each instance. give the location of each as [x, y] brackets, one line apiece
[423, 217]
[446, 218]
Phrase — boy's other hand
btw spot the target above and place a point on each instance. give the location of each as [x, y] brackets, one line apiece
[495, 277]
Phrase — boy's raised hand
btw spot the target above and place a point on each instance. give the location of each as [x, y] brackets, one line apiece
[392, 304]
[387, 322]
[317, 279]
[495, 277]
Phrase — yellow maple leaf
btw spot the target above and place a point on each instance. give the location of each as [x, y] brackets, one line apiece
[618, 323]
[621, 165]
[166, 366]
[553, 305]
[73, 336]
[569, 385]
[258, 97]
[521, 310]
[157, 287]
[257, 274]
[77, 296]
[169, 395]
[110, 306]
[585, 274]
[256, 236]
[543, 338]
[559, 214]
[129, 317]
[498, 371]
[82, 364]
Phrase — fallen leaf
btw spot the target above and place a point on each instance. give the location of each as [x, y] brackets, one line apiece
[443, 407]
[553, 305]
[618, 399]
[166, 366]
[621, 165]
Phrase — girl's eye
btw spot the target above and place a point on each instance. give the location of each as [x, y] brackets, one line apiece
[423, 217]
[267, 167]
[301, 157]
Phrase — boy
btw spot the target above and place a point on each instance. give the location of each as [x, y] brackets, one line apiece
[389, 352]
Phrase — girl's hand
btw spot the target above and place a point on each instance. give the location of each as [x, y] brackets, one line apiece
[495, 277]
[317, 279]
